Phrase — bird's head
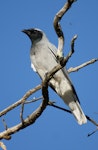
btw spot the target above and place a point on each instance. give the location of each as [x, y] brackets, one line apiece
[34, 34]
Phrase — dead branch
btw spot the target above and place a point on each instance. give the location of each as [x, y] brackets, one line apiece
[93, 132]
[58, 28]
[2, 145]
[28, 121]
[64, 60]
[31, 118]
[72, 42]
[44, 86]
[28, 94]
[38, 87]
[82, 65]
[19, 102]
[68, 111]
[34, 100]
[5, 125]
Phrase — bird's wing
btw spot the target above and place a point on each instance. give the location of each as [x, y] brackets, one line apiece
[53, 50]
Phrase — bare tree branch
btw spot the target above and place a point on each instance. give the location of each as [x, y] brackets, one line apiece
[32, 118]
[5, 125]
[68, 111]
[93, 132]
[39, 86]
[34, 100]
[64, 60]
[72, 42]
[82, 65]
[28, 94]
[57, 26]
[2, 145]
[44, 86]
[19, 102]
[28, 121]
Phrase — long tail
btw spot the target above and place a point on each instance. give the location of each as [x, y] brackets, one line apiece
[77, 112]
[67, 92]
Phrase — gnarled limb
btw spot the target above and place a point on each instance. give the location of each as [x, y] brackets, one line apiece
[31, 118]
[58, 28]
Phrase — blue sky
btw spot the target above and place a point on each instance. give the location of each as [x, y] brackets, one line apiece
[55, 129]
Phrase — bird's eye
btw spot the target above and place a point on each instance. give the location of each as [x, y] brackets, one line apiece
[34, 32]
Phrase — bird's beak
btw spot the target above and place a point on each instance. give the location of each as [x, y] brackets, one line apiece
[26, 32]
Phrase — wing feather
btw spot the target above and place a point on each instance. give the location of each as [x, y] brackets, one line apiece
[53, 50]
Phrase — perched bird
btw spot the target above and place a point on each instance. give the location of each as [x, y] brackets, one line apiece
[43, 59]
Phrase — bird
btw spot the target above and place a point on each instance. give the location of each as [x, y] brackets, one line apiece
[43, 55]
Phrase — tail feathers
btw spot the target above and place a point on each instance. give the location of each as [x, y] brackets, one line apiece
[77, 112]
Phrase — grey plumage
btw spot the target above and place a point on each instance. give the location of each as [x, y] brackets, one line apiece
[43, 59]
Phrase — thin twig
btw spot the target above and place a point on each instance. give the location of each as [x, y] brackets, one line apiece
[91, 120]
[58, 107]
[72, 43]
[66, 110]
[5, 125]
[65, 59]
[33, 100]
[27, 122]
[28, 94]
[19, 102]
[7, 137]
[82, 65]
[93, 132]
